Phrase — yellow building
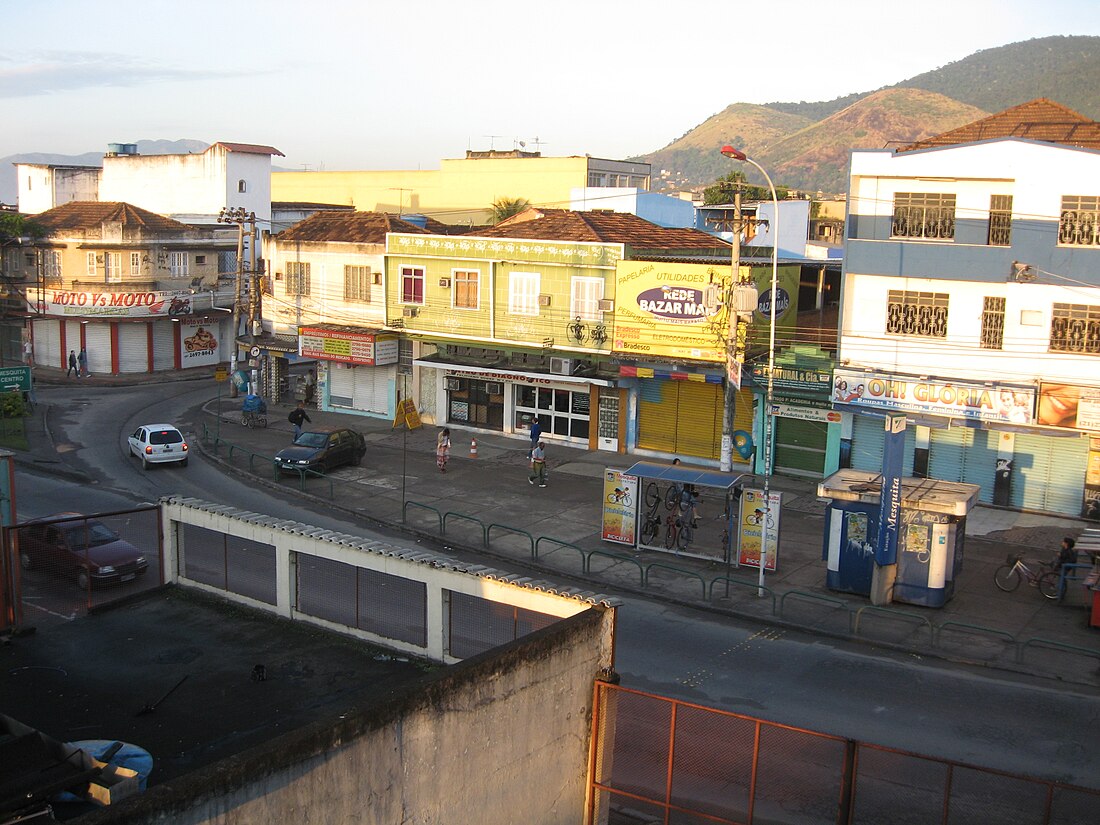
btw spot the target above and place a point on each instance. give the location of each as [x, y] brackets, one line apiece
[462, 190]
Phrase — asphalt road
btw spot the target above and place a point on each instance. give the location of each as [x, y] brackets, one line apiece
[1009, 723]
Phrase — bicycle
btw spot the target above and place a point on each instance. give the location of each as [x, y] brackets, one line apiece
[252, 419]
[678, 532]
[619, 496]
[1008, 576]
[652, 527]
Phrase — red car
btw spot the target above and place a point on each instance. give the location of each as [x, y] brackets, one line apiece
[86, 549]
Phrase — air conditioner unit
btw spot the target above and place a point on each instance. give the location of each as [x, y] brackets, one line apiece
[410, 312]
[544, 300]
[494, 388]
[561, 366]
[454, 384]
[445, 283]
[606, 305]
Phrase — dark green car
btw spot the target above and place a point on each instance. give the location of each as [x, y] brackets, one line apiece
[321, 449]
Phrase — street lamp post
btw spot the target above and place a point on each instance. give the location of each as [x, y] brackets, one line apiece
[773, 230]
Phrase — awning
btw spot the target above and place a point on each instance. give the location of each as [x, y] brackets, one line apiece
[517, 374]
[679, 474]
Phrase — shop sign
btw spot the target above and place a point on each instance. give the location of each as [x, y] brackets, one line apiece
[110, 304]
[198, 345]
[794, 378]
[620, 506]
[1069, 406]
[15, 379]
[366, 349]
[957, 399]
[758, 528]
[518, 378]
[806, 413]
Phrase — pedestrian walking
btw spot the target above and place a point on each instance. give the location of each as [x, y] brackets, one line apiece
[538, 465]
[311, 386]
[297, 417]
[536, 436]
[73, 369]
[82, 360]
[442, 449]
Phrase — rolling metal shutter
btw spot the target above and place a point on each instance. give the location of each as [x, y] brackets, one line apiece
[98, 338]
[800, 446]
[964, 454]
[868, 435]
[164, 345]
[1049, 473]
[680, 417]
[47, 345]
[372, 388]
[133, 348]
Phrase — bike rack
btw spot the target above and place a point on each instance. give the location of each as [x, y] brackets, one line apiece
[561, 543]
[464, 517]
[405, 513]
[894, 614]
[617, 557]
[741, 583]
[1050, 643]
[506, 528]
[651, 565]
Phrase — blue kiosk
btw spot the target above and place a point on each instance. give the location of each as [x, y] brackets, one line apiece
[930, 542]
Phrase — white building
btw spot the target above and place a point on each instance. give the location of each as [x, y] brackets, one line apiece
[971, 302]
[43, 186]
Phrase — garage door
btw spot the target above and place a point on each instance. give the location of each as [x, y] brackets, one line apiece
[1048, 474]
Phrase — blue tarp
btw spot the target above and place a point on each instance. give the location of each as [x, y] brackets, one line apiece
[680, 474]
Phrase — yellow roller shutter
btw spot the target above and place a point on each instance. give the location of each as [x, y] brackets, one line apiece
[657, 415]
[699, 419]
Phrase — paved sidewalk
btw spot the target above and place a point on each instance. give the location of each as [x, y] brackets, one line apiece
[1020, 631]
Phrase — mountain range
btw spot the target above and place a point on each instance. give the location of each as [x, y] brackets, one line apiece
[805, 145]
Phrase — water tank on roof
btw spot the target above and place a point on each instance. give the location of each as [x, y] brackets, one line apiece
[416, 220]
[116, 149]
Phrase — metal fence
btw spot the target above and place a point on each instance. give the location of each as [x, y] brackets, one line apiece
[64, 565]
[660, 760]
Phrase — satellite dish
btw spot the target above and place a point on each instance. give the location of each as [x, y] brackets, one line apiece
[523, 143]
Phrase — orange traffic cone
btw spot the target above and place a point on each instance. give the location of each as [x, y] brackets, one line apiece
[473, 448]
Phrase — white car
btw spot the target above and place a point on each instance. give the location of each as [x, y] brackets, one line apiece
[158, 444]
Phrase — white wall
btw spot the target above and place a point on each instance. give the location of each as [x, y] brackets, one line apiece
[43, 187]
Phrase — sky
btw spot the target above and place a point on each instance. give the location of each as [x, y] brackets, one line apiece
[364, 84]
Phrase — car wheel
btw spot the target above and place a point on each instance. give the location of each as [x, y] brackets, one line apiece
[26, 561]
[83, 580]
[357, 459]
[183, 463]
[144, 463]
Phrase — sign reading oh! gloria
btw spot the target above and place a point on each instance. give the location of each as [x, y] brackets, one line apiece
[936, 396]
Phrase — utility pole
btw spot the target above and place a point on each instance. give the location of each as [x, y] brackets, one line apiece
[240, 217]
[741, 300]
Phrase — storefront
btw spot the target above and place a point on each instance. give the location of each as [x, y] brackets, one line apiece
[356, 369]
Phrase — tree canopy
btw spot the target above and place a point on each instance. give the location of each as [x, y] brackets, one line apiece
[13, 226]
[504, 208]
[723, 190]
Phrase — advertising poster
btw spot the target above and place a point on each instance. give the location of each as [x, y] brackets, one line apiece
[889, 518]
[620, 506]
[198, 345]
[758, 526]
[1069, 406]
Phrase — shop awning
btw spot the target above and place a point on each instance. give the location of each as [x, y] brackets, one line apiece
[504, 373]
[679, 474]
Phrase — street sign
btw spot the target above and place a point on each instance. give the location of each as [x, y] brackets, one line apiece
[220, 374]
[407, 414]
[15, 378]
[254, 352]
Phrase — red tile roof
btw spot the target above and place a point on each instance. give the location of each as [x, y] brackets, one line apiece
[249, 148]
[600, 226]
[1038, 119]
[348, 227]
[93, 214]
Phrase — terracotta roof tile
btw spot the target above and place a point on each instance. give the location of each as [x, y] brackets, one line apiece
[1038, 119]
[93, 214]
[348, 227]
[249, 148]
[600, 226]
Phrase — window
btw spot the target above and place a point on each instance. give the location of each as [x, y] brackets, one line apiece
[993, 323]
[200, 260]
[1000, 220]
[11, 260]
[135, 263]
[112, 267]
[297, 278]
[51, 265]
[916, 313]
[596, 179]
[356, 283]
[466, 295]
[242, 185]
[177, 264]
[405, 356]
[523, 293]
[412, 285]
[1079, 224]
[1075, 328]
[923, 215]
[227, 262]
[91, 264]
[587, 293]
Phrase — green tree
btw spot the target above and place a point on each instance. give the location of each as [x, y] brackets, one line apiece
[14, 226]
[723, 189]
[504, 208]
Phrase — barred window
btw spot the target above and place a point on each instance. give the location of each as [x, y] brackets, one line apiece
[922, 314]
[297, 278]
[1000, 220]
[356, 283]
[993, 323]
[51, 265]
[923, 215]
[1079, 223]
[1075, 328]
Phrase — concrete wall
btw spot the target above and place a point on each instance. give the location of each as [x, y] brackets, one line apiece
[43, 187]
[498, 739]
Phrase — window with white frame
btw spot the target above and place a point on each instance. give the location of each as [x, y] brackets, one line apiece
[465, 289]
[112, 267]
[412, 285]
[51, 265]
[11, 261]
[1079, 222]
[178, 264]
[297, 278]
[90, 264]
[921, 314]
[523, 293]
[927, 215]
[135, 264]
[585, 304]
[356, 283]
